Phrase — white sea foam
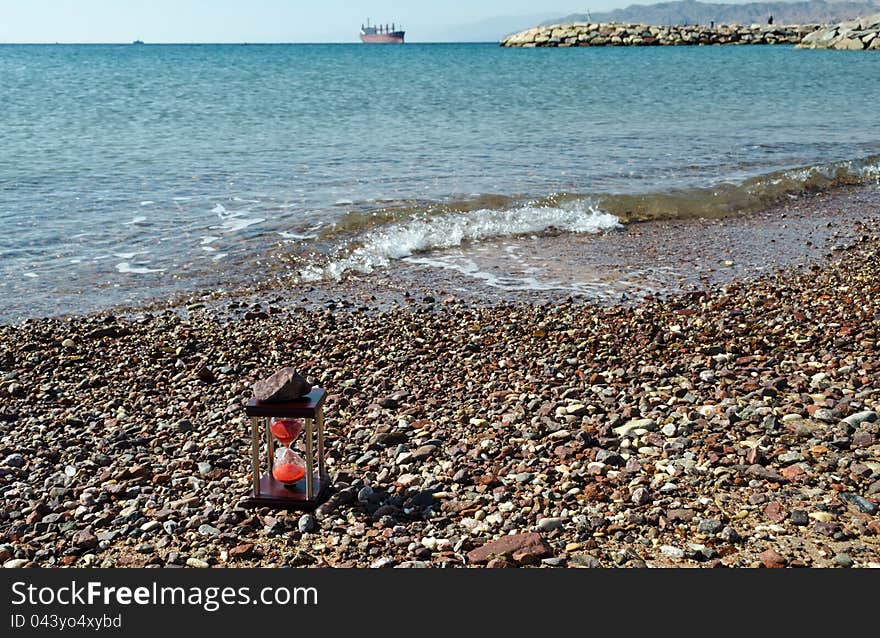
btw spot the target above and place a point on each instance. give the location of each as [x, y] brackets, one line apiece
[130, 255]
[377, 248]
[289, 235]
[235, 224]
[140, 219]
[147, 202]
[126, 267]
[32, 275]
[219, 209]
[209, 239]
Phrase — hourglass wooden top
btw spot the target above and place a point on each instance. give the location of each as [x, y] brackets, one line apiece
[305, 407]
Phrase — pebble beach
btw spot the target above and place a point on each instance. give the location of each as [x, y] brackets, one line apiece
[726, 419]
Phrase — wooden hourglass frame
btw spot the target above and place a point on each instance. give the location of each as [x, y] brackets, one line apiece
[307, 493]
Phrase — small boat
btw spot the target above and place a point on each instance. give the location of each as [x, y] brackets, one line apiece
[138, 42]
[381, 34]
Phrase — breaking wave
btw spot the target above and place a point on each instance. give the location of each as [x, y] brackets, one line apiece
[371, 237]
[377, 247]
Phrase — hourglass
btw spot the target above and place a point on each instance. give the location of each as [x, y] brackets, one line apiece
[288, 467]
[291, 480]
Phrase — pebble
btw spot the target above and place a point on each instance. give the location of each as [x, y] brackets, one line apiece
[14, 460]
[730, 535]
[670, 551]
[550, 524]
[856, 419]
[709, 526]
[799, 517]
[843, 560]
[858, 503]
[635, 424]
[772, 559]
[306, 523]
[15, 563]
[197, 563]
[208, 530]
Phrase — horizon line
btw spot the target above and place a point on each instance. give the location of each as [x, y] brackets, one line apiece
[236, 42]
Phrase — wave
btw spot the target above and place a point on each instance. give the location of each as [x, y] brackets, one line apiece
[370, 237]
[377, 247]
[757, 193]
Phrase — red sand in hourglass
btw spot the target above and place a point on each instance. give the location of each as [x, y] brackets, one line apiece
[286, 430]
[288, 472]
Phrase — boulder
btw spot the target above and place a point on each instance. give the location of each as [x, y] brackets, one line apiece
[284, 385]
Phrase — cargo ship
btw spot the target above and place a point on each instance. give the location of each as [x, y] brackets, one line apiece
[381, 34]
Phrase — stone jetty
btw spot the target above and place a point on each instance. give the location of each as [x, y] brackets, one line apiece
[586, 34]
[863, 33]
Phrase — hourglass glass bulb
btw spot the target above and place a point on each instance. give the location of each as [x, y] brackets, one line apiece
[288, 467]
[286, 430]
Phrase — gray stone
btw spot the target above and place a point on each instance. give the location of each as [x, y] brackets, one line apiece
[858, 418]
[208, 530]
[799, 517]
[730, 535]
[670, 551]
[204, 468]
[843, 560]
[553, 561]
[791, 457]
[14, 460]
[382, 563]
[284, 385]
[306, 523]
[197, 563]
[859, 503]
[709, 526]
[15, 563]
[583, 559]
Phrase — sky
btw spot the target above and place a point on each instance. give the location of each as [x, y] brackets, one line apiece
[274, 20]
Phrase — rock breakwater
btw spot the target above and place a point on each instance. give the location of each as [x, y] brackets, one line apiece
[854, 35]
[588, 34]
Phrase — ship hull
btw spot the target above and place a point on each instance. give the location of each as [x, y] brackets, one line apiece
[395, 37]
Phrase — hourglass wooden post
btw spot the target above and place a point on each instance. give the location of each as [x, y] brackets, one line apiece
[311, 490]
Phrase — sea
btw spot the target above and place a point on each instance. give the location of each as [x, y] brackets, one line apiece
[131, 174]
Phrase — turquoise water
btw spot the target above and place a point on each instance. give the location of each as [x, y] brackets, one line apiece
[129, 173]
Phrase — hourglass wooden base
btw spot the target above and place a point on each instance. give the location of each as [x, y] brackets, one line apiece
[311, 490]
[276, 494]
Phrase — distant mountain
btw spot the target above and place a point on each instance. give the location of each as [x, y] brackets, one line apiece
[693, 12]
